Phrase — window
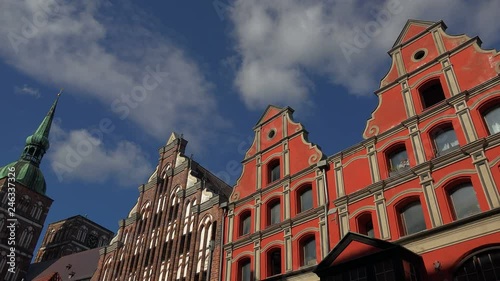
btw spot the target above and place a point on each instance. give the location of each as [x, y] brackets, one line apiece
[484, 266]
[384, 271]
[492, 119]
[358, 274]
[274, 262]
[464, 201]
[273, 171]
[274, 212]
[398, 160]
[412, 218]
[431, 93]
[445, 140]
[245, 223]
[305, 199]
[244, 270]
[365, 225]
[308, 251]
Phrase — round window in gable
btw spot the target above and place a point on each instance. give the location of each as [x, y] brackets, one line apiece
[419, 55]
[271, 134]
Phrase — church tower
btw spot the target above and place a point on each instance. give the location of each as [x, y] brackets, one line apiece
[24, 205]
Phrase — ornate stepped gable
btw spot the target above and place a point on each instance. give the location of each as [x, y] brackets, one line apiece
[173, 232]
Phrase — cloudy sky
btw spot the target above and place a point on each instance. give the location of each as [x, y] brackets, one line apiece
[134, 71]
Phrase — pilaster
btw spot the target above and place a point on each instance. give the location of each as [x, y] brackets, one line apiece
[381, 210]
[488, 184]
[426, 182]
[462, 111]
[339, 178]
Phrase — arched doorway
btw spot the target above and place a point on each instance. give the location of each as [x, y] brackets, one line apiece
[480, 266]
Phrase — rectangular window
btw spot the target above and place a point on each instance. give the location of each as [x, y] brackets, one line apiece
[492, 119]
[306, 201]
[384, 271]
[399, 161]
[445, 141]
[275, 173]
[245, 225]
[245, 272]
[464, 201]
[309, 250]
[358, 274]
[275, 214]
[413, 218]
[275, 262]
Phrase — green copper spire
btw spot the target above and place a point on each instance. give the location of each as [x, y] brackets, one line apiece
[43, 130]
[38, 143]
[27, 167]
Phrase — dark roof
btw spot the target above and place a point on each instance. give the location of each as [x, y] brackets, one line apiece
[223, 187]
[373, 243]
[83, 264]
[83, 218]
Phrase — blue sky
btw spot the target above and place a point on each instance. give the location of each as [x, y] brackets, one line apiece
[206, 69]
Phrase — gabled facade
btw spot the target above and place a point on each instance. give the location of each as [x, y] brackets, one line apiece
[276, 222]
[417, 199]
[72, 235]
[24, 205]
[427, 175]
[174, 231]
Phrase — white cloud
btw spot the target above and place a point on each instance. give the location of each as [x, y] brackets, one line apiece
[284, 44]
[92, 49]
[26, 90]
[79, 155]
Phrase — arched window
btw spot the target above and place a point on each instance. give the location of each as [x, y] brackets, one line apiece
[305, 197]
[244, 270]
[84, 231]
[274, 262]
[445, 140]
[273, 171]
[173, 212]
[483, 266]
[492, 119]
[308, 251]
[2, 221]
[464, 201]
[365, 225]
[245, 223]
[398, 160]
[412, 218]
[39, 210]
[431, 93]
[29, 237]
[22, 240]
[3, 261]
[274, 212]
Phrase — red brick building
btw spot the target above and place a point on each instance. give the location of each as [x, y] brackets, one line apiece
[417, 199]
[174, 231]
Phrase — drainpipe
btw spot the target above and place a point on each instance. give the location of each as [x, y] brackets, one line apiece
[221, 245]
[211, 247]
[323, 165]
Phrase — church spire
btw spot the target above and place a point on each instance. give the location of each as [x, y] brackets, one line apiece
[27, 168]
[38, 143]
